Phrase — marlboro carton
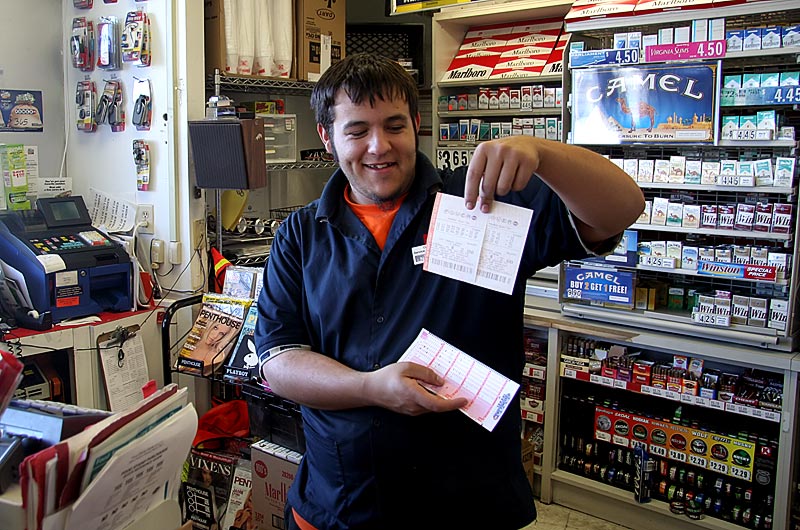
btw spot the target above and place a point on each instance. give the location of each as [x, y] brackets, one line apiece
[659, 6]
[586, 9]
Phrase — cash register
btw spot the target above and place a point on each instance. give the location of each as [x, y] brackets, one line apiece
[57, 266]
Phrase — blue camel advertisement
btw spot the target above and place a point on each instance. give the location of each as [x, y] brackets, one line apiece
[644, 103]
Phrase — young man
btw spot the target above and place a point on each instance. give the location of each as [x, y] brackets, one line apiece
[343, 299]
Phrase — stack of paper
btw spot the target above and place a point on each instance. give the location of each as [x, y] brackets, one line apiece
[115, 471]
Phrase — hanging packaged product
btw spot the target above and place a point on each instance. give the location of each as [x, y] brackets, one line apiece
[135, 42]
[142, 105]
[85, 96]
[81, 44]
[108, 56]
[110, 107]
[141, 157]
[82, 4]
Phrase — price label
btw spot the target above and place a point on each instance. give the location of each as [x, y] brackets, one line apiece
[670, 394]
[772, 416]
[620, 384]
[594, 378]
[698, 461]
[743, 134]
[656, 261]
[602, 436]
[716, 404]
[710, 319]
[686, 51]
[645, 389]
[738, 472]
[573, 293]
[621, 440]
[727, 180]
[569, 372]
[687, 398]
[719, 467]
[655, 391]
[783, 95]
[581, 59]
[606, 381]
[658, 450]
[638, 443]
[677, 455]
[452, 158]
[701, 401]
[743, 410]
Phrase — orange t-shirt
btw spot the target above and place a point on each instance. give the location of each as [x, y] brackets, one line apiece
[377, 220]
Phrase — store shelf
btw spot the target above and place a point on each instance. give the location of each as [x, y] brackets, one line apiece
[772, 190]
[692, 272]
[756, 143]
[502, 11]
[714, 232]
[501, 82]
[568, 372]
[669, 323]
[231, 83]
[550, 111]
[674, 16]
[301, 165]
[615, 504]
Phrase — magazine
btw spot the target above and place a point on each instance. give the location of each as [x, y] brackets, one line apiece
[233, 305]
[210, 340]
[243, 363]
[205, 487]
[241, 281]
[239, 512]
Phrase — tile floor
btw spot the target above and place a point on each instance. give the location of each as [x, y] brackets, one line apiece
[556, 517]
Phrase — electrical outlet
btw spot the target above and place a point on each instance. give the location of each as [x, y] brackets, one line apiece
[144, 214]
[198, 233]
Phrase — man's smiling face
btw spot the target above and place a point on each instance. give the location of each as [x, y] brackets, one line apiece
[376, 147]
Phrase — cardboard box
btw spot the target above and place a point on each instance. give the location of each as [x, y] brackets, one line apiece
[320, 36]
[216, 54]
[274, 468]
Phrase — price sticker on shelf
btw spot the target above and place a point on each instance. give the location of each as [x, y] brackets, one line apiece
[738, 472]
[582, 59]
[770, 415]
[638, 443]
[781, 95]
[657, 261]
[710, 319]
[678, 456]
[602, 436]
[698, 461]
[620, 384]
[452, 158]
[621, 440]
[719, 467]
[712, 49]
[716, 404]
[658, 450]
[671, 394]
[569, 372]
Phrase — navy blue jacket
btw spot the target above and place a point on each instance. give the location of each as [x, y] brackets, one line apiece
[328, 285]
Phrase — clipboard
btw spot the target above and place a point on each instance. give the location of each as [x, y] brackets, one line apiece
[124, 366]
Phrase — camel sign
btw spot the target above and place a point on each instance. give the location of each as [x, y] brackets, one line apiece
[659, 103]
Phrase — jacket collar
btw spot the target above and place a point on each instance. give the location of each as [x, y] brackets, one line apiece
[332, 206]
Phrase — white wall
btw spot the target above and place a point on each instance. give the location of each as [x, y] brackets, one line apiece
[31, 59]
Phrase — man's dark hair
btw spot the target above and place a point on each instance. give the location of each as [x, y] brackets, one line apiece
[363, 77]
